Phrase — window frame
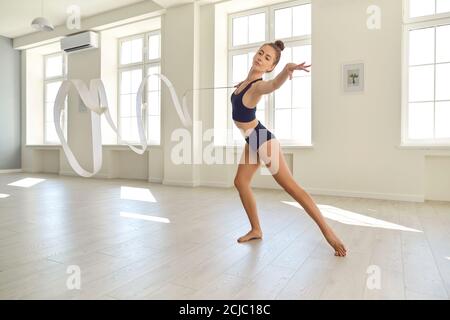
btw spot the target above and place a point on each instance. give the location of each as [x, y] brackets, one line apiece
[407, 19]
[275, 7]
[143, 66]
[409, 24]
[242, 49]
[47, 81]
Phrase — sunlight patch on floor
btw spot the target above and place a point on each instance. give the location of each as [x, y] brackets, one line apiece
[140, 194]
[26, 182]
[353, 218]
[139, 216]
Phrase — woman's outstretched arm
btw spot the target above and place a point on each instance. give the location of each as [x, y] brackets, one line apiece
[287, 71]
[265, 87]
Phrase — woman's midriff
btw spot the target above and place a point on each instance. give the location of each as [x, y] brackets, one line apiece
[246, 127]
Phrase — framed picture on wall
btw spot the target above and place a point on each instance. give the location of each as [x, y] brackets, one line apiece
[353, 77]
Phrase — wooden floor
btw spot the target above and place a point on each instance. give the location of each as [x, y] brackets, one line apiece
[397, 250]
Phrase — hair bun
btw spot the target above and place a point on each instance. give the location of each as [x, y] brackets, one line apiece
[279, 44]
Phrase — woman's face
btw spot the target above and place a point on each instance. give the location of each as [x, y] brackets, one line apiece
[264, 59]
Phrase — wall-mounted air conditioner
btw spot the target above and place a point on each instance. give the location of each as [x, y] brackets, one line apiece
[80, 41]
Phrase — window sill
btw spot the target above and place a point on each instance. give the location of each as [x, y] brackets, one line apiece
[105, 146]
[125, 147]
[423, 147]
[428, 150]
[43, 146]
[284, 147]
[296, 146]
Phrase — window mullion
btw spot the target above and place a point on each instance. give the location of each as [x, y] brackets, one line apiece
[292, 22]
[270, 113]
[145, 48]
[434, 88]
[145, 101]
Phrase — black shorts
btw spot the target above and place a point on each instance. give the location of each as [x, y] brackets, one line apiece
[258, 136]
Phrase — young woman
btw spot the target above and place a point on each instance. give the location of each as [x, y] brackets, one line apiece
[263, 146]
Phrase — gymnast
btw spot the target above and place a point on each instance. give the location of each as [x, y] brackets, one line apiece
[262, 145]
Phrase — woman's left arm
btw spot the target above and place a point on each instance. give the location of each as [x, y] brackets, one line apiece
[288, 71]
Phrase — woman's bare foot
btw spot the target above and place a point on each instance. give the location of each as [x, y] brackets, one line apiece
[338, 246]
[251, 235]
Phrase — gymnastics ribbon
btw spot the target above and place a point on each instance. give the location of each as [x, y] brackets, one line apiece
[96, 101]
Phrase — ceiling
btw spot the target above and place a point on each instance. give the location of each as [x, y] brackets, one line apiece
[16, 15]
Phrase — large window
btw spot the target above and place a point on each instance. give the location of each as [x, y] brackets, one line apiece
[54, 74]
[139, 56]
[426, 73]
[287, 111]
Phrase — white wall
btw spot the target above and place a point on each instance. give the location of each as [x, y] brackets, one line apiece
[356, 137]
[10, 153]
[179, 62]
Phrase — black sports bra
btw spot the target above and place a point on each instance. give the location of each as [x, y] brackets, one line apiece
[240, 112]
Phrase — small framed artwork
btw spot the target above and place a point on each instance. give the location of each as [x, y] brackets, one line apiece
[353, 77]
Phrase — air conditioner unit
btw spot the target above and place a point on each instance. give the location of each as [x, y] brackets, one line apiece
[80, 41]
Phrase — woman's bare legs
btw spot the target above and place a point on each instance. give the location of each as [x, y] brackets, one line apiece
[270, 154]
[248, 165]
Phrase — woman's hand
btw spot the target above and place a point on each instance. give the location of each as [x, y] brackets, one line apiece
[290, 67]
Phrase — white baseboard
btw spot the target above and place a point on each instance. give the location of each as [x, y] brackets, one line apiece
[315, 191]
[102, 176]
[367, 195]
[73, 174]
[180, 183]
[155, 180]
[11, 171]
[30, 170]
[215, 184]
[67, 173]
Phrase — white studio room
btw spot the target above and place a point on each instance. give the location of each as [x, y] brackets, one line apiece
[229, 150]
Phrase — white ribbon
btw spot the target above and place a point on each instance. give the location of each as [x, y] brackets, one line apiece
[95, 99]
